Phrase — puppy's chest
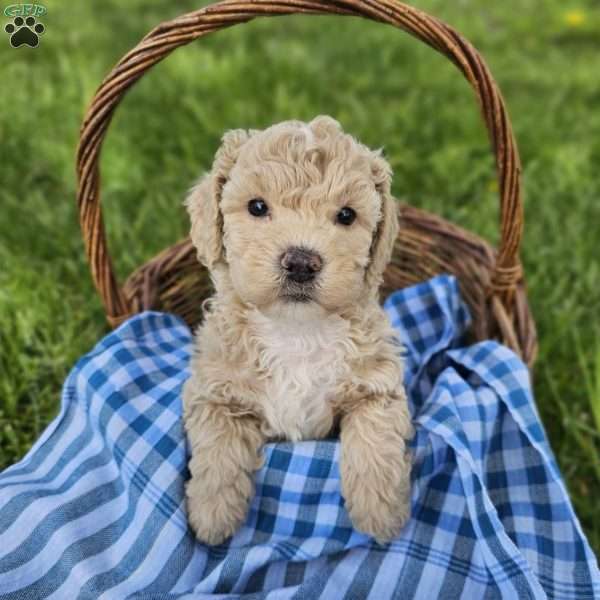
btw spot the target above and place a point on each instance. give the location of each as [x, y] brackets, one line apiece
[301, 363]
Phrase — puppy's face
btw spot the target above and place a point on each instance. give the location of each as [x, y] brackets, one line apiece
[303, 212]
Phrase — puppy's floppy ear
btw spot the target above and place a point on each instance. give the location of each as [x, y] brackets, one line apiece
[386, 233]
[203, 201]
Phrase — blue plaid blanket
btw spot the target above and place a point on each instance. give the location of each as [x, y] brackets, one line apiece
[95, 509]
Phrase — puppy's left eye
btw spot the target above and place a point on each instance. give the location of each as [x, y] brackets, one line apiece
[346, 216]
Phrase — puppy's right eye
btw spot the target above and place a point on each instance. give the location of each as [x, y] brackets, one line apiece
[257, 207]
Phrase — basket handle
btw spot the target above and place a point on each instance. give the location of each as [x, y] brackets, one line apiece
[168, 36]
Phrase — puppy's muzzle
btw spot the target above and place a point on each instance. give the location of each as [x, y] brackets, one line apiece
[300, 265]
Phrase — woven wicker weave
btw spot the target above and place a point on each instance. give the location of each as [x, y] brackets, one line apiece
[491, 281]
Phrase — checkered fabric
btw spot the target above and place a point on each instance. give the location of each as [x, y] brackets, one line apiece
[95, 509]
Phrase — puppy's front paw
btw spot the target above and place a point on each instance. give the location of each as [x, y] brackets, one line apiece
[375, 478]
[377, 498]
[378, 502]
[375, 465]
[216, 512]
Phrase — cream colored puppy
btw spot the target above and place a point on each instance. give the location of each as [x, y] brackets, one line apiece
[296, 225]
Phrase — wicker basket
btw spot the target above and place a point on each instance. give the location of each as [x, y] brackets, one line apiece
[491, 281]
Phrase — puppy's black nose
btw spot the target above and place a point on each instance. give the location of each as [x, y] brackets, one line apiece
[301, 265]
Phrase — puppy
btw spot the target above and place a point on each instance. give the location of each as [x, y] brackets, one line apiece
[296, 225]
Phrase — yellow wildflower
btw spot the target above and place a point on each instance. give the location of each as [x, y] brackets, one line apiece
[493, 186]
[575, 18]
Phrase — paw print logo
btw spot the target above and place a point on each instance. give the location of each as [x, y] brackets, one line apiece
[24, 31]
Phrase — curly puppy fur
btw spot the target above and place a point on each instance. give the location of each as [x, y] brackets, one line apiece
[280, 359]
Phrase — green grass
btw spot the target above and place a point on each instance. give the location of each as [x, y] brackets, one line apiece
[385, 88]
